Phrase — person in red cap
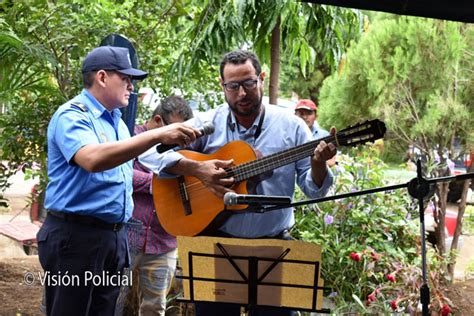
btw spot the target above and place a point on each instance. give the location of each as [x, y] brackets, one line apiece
[308, 111]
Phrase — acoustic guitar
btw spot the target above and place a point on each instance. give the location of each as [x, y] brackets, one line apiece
[185, 207]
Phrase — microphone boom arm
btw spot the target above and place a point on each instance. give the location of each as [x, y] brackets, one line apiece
[368, 191]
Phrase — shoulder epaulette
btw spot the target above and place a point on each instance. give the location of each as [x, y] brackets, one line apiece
[79, 106]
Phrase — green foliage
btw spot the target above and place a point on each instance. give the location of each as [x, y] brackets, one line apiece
[26, 95]
[468, 223]
[394, 153]
[42, 45]
[179, 42]
[313, 36]
[470, 269]
[325, 51]
[415, 74]
[370, 243]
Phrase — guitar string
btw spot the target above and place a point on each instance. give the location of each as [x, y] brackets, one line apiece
[288, 156]
[197, 185]
[245, 170]
[252, 168]
[255, 167]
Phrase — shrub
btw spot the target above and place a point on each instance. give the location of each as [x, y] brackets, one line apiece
[371, 246]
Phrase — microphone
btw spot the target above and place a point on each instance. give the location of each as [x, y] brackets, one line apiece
[206, 129]
[231, 198]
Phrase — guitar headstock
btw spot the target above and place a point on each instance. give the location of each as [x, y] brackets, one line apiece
[361, 133]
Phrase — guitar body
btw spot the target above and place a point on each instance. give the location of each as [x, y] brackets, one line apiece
[205, 206]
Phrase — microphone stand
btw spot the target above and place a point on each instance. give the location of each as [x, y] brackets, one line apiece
[419, 188]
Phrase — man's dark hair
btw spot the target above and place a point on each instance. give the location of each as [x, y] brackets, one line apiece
[173, 105]
[239, 57]
[88, 78]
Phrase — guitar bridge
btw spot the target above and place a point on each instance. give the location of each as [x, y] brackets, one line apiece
[184, 196]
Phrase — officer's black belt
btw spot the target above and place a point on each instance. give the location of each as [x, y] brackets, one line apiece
[86, 220]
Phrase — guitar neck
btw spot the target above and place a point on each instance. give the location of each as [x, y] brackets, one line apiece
[353, 135]
[253, 168]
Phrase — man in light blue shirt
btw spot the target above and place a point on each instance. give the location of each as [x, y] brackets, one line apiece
[89, 193]
[268, 130]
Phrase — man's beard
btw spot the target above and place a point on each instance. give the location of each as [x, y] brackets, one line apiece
[255, 109]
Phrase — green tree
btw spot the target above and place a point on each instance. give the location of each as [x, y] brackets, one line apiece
[299, 31]
[42, 44]
[416, 75]
[25, 93]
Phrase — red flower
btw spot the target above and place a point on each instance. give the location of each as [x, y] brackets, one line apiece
[355, 256]
[445, 310]
[391, 278]
[393, 305]
[371, 297]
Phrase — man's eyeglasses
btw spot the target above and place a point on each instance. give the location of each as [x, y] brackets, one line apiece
[234, 86]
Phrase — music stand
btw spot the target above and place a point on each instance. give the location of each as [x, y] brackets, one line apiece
[252, 273]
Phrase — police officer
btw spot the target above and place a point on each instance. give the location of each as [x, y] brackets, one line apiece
[82, 246]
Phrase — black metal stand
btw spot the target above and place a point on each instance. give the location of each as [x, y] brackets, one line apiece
[252, 279]
[261, 209]
[419, 188]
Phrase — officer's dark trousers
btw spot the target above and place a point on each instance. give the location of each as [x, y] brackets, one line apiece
[90, 256]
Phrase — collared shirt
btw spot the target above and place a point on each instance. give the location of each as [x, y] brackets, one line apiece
[107, 194]
[152, 238]
[280, 131]
[318, 132]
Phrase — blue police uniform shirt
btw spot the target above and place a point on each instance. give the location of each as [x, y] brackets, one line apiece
[280, 131]
[106, 195]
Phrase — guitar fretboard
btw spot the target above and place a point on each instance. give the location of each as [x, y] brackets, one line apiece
[358, 134]
[253, 168]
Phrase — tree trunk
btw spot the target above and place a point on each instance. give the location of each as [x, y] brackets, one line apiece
[274, 63]
[459, 221]
[440, 218]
